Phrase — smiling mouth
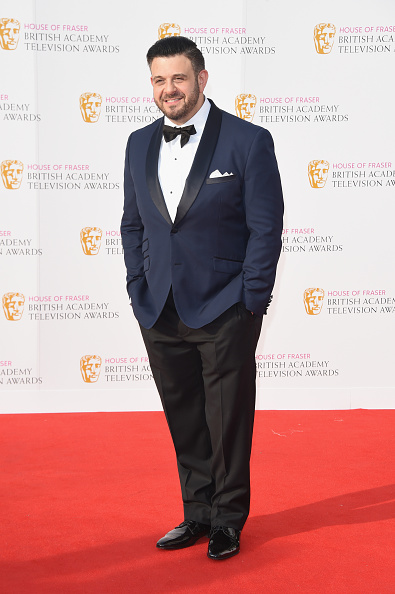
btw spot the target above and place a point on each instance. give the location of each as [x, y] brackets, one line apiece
[172, 100]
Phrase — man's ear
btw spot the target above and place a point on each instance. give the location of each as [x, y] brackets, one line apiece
[202, 80]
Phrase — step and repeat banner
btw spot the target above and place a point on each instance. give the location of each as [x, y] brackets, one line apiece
[74, 84]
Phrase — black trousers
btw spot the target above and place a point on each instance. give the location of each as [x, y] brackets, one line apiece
[206, 382]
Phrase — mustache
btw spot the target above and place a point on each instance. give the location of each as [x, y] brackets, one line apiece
[173, 96]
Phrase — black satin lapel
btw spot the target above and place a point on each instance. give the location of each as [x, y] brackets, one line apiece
[152, 174]
[201, 163]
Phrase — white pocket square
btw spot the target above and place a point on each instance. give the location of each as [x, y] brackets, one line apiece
[217, 173]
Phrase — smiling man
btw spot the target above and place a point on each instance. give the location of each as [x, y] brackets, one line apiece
[201, 233]
[178, 89]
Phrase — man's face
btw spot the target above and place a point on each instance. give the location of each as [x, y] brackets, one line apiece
[178, 91]
[92, 109]
[319, 175]
[324, 40]
[314, 302]
[91, 369]
[92, 242]
[246, 108]
[9, 35]
[14, 307]
[12, 175]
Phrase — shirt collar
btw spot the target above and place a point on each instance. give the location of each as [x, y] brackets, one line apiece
[198, 120]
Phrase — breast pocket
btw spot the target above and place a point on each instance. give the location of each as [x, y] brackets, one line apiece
[221, 180]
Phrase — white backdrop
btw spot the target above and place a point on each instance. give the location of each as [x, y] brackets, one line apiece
[328, 103]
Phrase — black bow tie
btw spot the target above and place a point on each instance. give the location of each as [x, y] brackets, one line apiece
[170, 133]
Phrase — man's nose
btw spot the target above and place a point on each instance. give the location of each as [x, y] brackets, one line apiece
[169, 87]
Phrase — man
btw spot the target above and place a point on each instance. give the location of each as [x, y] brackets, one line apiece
[201, 234]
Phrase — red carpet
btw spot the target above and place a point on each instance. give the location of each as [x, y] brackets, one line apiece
[79, 512]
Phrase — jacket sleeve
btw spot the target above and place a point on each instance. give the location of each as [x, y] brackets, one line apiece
[131, 229]
[264, 216]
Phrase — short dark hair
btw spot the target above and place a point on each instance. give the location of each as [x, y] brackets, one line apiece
[174, 46]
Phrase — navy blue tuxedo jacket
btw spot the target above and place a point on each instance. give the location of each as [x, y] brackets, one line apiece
[225, 242]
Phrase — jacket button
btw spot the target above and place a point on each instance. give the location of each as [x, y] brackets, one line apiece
[174, 230]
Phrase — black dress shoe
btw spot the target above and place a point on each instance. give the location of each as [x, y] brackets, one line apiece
[224, 542]
[184, 535]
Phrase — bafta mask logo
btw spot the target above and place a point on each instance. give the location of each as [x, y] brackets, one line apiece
[168, 30]
[90, 368]
[313, 300]
[245, 106]
[9, 33]
[13, 304]
[90, 106]
[91, 240]
[324, 36]
[318, 173]
[11, 174]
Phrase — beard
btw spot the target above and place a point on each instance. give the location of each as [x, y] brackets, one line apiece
[183, 108]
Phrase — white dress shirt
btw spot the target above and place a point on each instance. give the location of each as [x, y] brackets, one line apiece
[175, 163]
